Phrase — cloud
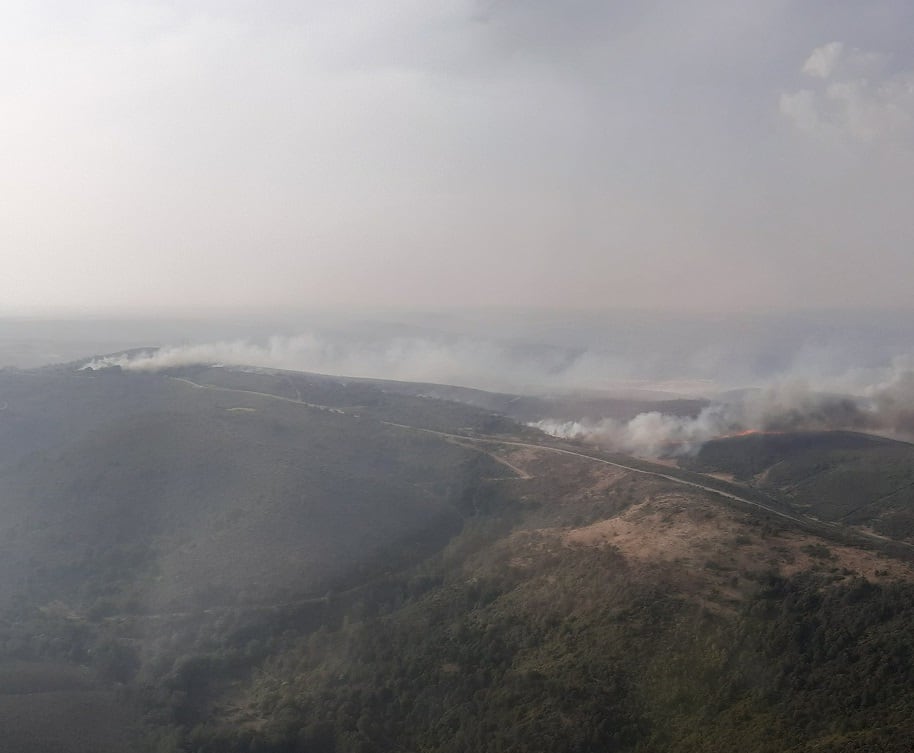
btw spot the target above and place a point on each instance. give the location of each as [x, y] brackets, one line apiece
[855, 98]
[823, 60]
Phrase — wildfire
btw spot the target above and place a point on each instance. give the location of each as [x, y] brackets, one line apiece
[749, 432]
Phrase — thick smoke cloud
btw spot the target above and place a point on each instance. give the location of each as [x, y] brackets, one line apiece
[884, 406]
[652, 434]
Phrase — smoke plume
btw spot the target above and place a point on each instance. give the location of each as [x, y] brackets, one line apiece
[885, 406]
[466, 361]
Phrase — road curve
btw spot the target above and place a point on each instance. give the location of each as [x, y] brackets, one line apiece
[801, 520]
[622, 466]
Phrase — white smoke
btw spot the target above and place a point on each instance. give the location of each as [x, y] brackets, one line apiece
[651, 434]
[872, 399]
[464, 361]
[884, 406]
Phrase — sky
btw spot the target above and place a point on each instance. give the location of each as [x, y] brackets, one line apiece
[715, 155]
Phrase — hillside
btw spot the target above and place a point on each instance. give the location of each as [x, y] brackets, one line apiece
[205, 493]
[839, 476]
[226, 561]
[592, 609]
[141, 496]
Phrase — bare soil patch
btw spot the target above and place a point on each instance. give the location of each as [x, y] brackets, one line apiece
[720, 547]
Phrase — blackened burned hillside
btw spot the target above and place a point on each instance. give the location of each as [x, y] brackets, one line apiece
[224, 560]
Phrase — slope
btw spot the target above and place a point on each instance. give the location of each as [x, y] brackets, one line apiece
[589, 608]
[836, 476]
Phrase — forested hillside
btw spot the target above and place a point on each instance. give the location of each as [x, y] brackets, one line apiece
[223, 561]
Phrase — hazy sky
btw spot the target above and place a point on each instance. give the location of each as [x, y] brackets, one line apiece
[709, 154]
